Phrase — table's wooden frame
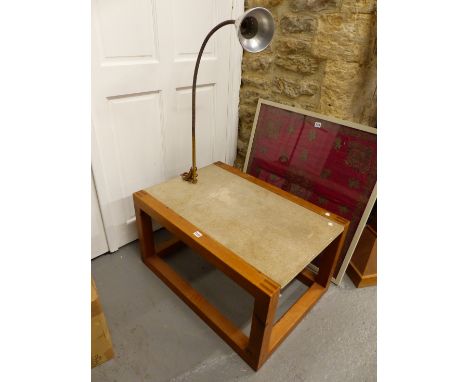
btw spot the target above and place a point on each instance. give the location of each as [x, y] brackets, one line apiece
[265, 334]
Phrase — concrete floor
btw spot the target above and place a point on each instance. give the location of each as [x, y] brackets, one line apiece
[156, 337]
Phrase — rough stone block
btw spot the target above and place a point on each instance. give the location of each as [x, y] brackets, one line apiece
[298, 63]
[244, 131]
[314, 5]
[258, 62]
[249, 96]
[365, 101]
[292, 88]
[239, 162]
[298, 23]
[242, 146]
[307, 104]
[293, 46]
[255, 80]
[339, 85]
[343, 37]
[359, 6]
[247, 114]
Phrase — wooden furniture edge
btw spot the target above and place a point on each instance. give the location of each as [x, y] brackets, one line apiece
[371, 229]
[307, 277]
[358, 279]
[278, 191]
[357, 235]
[224, 259]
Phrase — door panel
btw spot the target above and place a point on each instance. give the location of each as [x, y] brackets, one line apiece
[126, 29]
[190, 29]
[143, 56]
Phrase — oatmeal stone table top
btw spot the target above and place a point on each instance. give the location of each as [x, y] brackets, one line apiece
[276, 236]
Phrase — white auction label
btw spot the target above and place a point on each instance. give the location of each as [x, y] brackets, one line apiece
[318, 124]
[198, 234]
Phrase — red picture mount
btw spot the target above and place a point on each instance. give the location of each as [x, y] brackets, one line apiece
[327, 161]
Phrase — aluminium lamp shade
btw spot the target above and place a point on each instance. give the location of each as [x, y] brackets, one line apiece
[255, 29]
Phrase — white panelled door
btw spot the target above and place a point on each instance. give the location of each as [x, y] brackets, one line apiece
[143, 56]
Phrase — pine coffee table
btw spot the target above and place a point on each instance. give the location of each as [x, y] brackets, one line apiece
[257, 234]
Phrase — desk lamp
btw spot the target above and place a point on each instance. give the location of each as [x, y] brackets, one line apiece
[255, 29]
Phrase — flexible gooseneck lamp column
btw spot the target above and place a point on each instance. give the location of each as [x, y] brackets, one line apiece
[255, 29]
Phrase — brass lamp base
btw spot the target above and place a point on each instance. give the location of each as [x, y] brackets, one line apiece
[190, 176]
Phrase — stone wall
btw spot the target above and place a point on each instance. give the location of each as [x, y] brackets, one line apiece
[322, 58]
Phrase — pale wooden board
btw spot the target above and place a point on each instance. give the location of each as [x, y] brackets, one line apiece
[273, 234]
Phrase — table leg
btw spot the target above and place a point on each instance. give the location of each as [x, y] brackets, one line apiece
[328, 260]
[145, 233]
[263, 320]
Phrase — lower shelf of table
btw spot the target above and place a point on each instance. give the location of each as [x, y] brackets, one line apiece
[224, 327]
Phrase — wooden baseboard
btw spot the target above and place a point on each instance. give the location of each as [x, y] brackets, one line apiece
[359, 280]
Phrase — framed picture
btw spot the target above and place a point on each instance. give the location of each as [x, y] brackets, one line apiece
[327, 161]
